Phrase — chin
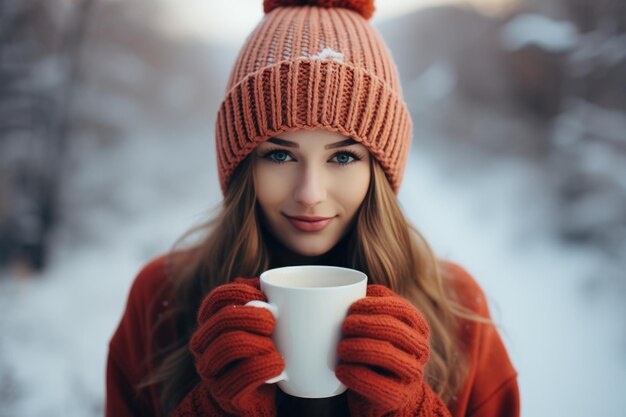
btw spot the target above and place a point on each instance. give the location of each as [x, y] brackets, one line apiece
[311, 250]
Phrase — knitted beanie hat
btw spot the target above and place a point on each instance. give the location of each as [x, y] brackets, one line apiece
[314, 64]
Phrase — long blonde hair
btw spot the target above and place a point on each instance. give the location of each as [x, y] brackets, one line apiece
[382, 244]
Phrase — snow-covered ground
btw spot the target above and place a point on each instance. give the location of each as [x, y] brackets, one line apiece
[128, 203]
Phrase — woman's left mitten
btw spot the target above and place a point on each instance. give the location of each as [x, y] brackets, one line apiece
[382, 355]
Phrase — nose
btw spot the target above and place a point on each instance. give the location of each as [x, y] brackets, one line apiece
[310, 187]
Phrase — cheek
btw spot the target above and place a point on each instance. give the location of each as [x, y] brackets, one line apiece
[269, 187]
[351, 189]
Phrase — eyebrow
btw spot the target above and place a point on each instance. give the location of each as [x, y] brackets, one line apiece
[290, 144]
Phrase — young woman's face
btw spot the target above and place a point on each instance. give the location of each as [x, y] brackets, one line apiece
[309, 185]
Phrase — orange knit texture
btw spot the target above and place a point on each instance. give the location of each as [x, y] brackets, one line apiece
[234, 355]
[383, 352]
[308, 67]
[364, 7]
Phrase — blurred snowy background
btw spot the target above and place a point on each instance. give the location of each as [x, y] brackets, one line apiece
[517, 171]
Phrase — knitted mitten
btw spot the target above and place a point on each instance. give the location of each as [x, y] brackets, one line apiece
[383, 352]
[234, 355]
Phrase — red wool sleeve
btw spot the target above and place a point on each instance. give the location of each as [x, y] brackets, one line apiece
[133, 342]
[490, 389]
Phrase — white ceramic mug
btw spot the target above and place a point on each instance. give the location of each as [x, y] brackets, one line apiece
[310, 304]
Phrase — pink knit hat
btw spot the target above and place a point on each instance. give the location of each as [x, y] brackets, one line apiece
[314, 64]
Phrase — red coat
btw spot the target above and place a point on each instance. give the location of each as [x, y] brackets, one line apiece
[489, 391]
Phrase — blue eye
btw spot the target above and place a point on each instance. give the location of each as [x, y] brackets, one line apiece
[345, 158]
[278, 156]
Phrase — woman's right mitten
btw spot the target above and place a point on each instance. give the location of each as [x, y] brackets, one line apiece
[234, 355]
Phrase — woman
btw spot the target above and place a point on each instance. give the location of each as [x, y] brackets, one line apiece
[312, 139]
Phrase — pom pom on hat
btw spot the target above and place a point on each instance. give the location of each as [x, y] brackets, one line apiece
[364, 7]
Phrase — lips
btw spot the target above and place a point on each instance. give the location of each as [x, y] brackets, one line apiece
[309, 223]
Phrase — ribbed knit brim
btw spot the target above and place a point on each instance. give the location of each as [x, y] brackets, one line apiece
[312, 67]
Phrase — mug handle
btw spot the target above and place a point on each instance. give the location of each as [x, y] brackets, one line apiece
[274, 310]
